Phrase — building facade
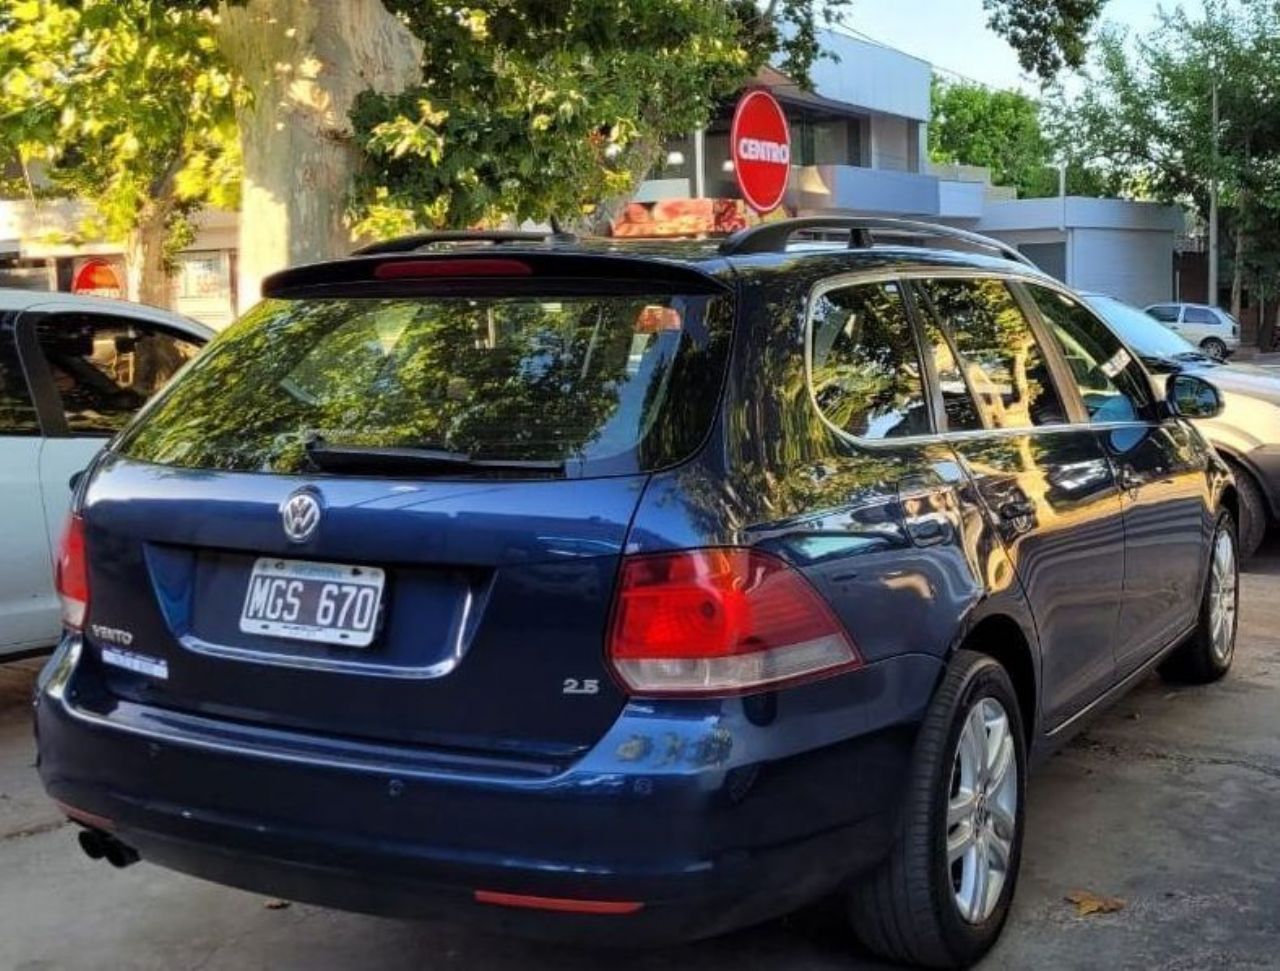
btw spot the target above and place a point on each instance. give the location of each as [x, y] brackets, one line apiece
[860, 147]
[41, 249]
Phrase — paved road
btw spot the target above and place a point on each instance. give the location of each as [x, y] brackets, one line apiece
[1170, 802]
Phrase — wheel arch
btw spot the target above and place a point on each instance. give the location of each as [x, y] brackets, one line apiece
[1001, 637]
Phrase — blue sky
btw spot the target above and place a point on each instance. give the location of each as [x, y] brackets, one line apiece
[953, 34]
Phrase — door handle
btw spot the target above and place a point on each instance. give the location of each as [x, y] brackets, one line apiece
[1129, 480]
[1017, 509]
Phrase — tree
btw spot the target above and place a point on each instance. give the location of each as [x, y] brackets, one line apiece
[1144, 119]
[547, 104]
[1004, 131]
[530, 111]
[304, 62]
[126, 104]
[973, 125]
[1048, 35]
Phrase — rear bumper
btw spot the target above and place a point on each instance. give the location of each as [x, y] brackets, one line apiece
[709, 815]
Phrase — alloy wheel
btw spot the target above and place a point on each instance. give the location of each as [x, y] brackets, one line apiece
[982, 810]
[1223, 583]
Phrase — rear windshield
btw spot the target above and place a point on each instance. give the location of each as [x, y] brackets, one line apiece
[604, 384]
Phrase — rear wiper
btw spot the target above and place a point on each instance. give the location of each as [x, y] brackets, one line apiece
[328, 457]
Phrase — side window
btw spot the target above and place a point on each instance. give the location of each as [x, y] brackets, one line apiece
[1002, 363]
[866, 371]
[105, 367]
[1111, 384]
[1200, 315]
[17, 413]
[1165, 313]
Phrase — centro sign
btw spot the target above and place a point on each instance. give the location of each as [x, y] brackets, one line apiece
[761, 146]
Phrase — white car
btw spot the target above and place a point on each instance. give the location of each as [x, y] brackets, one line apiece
[1211, 329]
[73, 370]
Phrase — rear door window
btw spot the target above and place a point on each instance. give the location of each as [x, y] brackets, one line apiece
[17, 412]
[1200, 315]
[602, 383]
[1002, 362]
[105, 368]
[865, 368]
[1111, 383]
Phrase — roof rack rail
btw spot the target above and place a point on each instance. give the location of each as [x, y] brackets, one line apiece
[407, 244]
[772, 237]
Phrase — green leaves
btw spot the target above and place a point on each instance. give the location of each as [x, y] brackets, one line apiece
[126, 104]
[531, 109]
[1047, 35]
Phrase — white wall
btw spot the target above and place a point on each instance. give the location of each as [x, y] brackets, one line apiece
[872, 77]
[1130, 265]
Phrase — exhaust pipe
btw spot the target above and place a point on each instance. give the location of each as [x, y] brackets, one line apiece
[98, 845]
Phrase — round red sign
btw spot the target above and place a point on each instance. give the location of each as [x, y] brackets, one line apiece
[97, 278]
[760, 143]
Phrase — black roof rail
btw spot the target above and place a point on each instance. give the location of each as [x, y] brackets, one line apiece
[772, 237]
[407, 244]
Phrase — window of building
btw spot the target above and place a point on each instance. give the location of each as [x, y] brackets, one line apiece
[1111, 384]
[106, 367]
[1002, 363]
[866, 371]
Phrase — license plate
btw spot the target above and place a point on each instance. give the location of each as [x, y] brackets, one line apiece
[327, 603]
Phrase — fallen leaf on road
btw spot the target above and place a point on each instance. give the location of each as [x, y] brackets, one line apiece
[275, 904]
[1087, 902]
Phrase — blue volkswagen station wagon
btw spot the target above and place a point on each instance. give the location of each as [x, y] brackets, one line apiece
[631, 593]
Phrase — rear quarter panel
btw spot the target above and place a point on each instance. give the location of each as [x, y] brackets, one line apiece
[893, 536]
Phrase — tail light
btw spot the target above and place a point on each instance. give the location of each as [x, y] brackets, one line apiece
[71, 575]
[721, 621]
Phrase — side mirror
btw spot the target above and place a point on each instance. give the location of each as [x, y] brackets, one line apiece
[1191, 397]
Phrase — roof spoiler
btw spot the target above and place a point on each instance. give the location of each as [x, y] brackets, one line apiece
[530, 269]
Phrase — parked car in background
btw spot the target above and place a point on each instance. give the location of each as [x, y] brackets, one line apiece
[1246, 433]
[631, 593]
[1211, 329]
[73, 370]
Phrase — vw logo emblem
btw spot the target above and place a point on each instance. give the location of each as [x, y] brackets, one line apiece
[300, 515]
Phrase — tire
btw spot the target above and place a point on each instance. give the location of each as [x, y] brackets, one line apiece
[909, 908]
[1214, 348]
[1254, 518]
[1206, 655]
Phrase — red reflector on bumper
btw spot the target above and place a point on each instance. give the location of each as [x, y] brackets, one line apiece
[561, 904]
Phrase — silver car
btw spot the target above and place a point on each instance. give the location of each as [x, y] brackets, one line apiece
[1211, 329]
[1246, 433]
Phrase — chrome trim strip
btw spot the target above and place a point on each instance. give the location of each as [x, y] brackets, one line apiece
[336, 665]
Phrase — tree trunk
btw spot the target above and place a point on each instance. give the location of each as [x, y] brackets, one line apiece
[146, 273]
[1237, 270]
[641, 160]
[304, 62]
